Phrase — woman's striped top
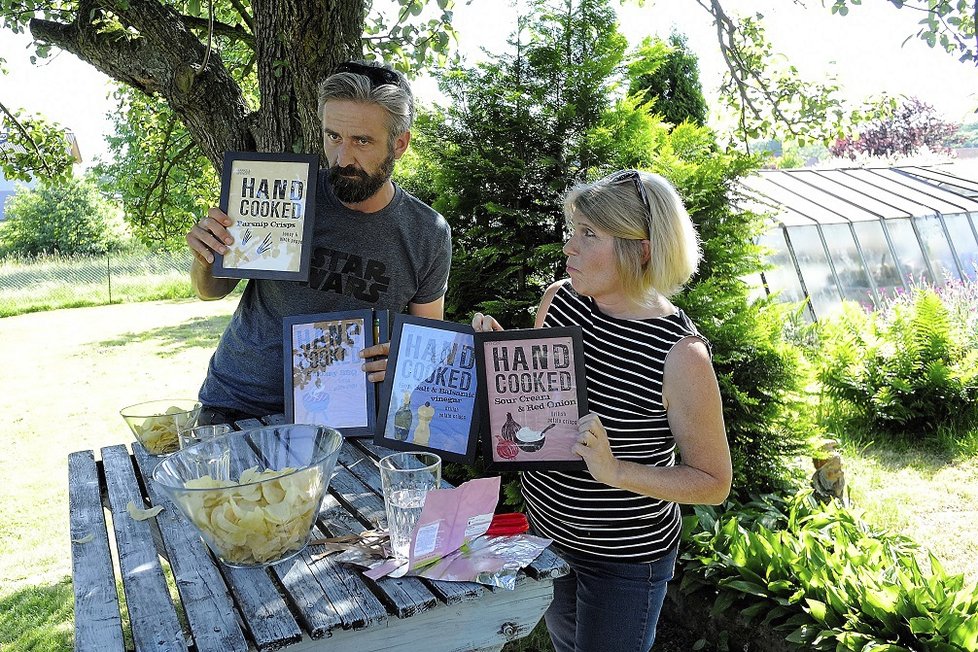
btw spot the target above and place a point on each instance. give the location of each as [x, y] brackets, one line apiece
[624, 363]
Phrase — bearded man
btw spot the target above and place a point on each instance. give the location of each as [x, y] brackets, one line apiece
[374, 246]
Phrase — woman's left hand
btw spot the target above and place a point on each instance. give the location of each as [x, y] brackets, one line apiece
[592, 445]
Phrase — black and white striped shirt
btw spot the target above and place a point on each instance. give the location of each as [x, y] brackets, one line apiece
[624, 365]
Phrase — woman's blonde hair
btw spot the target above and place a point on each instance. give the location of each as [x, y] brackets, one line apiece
[634, 206]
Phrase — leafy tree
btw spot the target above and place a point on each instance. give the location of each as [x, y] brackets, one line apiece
[67, 217]
[177, 51]
[910, 128]
[164, 182]
[949, 24]
[670, 73]
[547, 114]
[515, 135]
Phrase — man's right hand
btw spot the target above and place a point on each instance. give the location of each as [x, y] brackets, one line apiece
[210, 235]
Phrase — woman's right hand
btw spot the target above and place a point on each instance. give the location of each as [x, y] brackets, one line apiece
[484, 323]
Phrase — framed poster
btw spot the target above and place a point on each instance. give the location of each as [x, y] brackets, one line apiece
[430, 391]
[324, 383]
[271, 200]
[534, 393]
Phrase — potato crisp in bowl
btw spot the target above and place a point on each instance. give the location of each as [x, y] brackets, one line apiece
[157, 424]
[253, 495]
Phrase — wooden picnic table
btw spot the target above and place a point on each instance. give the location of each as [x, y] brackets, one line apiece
[297, 604]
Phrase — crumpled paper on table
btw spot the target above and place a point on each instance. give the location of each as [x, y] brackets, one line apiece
[449, 542]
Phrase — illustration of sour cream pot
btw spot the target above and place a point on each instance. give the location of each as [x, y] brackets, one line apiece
[531, 440]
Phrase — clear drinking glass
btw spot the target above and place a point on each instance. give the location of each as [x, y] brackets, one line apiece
[197, 434]
[406, 478]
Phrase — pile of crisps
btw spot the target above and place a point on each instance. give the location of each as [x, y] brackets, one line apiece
[159, 434]
[258, 519]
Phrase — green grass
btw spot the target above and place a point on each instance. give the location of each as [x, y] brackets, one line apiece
[931, 497]
[37, 617]
[67, 374]
[53, 282]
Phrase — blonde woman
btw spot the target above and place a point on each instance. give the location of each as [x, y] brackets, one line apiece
[654, 438]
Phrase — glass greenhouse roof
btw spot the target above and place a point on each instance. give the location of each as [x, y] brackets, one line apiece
[863, 234]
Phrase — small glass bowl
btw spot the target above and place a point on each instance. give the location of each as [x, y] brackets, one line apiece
[157, 424]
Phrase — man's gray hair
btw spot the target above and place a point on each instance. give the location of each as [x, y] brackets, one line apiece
[397, 100]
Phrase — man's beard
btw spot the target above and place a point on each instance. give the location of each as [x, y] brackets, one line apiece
[353, 185]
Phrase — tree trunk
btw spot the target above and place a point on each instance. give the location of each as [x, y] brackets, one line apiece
[297, 43]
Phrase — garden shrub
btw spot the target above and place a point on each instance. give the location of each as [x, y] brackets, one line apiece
[909, 370]
[66, 217]
[826, 580]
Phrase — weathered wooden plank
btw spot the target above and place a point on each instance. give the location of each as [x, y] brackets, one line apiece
[98, 623]
[206, 601]
[497, 618]
[264, 610]
[347, 591]
[152, 615]
[547, 566]
[368, 447]
[307, 596]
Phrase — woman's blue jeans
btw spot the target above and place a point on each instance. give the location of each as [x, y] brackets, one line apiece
[605, 606]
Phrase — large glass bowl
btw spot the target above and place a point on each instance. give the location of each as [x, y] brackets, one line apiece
[157, 424]
[253, 495]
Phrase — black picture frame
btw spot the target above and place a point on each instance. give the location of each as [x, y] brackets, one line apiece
[271, 200]
[430, 394]
[533, 381]
[322, 350]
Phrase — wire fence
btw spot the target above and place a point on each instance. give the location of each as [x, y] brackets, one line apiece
[62, 282]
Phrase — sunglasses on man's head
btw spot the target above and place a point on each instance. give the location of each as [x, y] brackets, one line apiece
[625, 176]
[377, 76]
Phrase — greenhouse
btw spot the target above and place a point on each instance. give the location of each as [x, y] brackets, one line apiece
[863, 234]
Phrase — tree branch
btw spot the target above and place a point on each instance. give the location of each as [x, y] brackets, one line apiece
[163, 57]
[28, 138]
[234, 32]
[245, 16]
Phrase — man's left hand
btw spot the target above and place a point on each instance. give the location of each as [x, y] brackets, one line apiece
[376, 361]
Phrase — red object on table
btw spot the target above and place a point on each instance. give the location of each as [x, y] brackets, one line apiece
[504, 524]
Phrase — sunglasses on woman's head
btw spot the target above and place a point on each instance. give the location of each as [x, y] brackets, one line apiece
[634, 176]
[377, 76]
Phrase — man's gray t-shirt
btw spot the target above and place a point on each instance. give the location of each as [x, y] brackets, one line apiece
[384, 260]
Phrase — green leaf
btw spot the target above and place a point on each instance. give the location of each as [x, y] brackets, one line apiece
[817, 609]
[919, 625]
[746, 587]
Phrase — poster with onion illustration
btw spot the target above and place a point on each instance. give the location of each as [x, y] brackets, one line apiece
[270, 199]
[324, 384]
[534, 392]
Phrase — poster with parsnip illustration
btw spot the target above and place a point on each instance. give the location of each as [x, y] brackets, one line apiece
[270, 199]
[324, 382]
